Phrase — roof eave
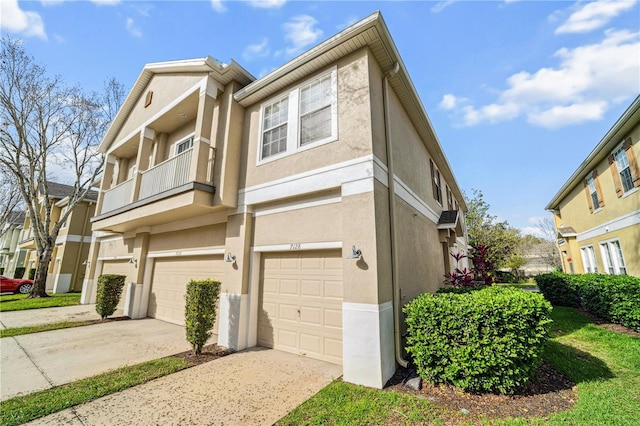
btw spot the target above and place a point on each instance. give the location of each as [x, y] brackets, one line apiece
[621, 126]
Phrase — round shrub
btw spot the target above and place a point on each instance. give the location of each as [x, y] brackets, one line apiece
[200, 311]
[558, 289]
[488, 340]
[108, 295]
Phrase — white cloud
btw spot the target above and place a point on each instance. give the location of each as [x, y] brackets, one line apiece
[594, 15]
[106, 2]
[267, 4]
[440, 6]
[258, 50]
[532, 230]
[448, 102]
[133, 29]
[580, 88]
[300, 32]
[218, 6]
[16, 20]
[351, 19]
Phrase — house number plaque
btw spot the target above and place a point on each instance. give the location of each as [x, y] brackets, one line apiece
[295, 246]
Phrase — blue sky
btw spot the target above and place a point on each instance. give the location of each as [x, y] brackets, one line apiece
[519, 92]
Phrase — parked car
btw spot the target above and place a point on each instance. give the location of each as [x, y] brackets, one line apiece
[15, 285]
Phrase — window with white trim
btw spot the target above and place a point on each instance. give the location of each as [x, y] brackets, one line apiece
[624, 169]
[305, 117]
[612, 257]
[184, 145]
[589, 259]
[593, 192]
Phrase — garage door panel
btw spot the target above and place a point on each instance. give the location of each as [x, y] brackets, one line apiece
[301, 303]
[169, 284]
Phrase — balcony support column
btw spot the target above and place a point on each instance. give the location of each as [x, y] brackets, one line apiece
[107, 180]
[145, 149]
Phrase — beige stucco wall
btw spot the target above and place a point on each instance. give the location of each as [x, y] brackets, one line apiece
[166, 89]
[354, 128]
[189, 239]
[177, 136]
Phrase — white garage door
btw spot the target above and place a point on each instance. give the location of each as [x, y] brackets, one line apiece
[169, 284]
[301, 303]
[121, 267]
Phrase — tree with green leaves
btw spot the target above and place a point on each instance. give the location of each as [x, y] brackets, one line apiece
[484, 229]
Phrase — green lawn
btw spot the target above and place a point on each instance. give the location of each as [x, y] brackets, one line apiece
[19, 302]
[604, 365]
[22, 409]
[18, 331]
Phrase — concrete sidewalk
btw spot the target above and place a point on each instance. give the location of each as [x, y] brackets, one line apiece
[254, 387]
[39, 361]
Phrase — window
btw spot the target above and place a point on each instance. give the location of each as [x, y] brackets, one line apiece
[435, 182]
[593, 191]
[184, 145]
[450, 199]
[306, 117]
[613, 258]
[624, 168]
[589, 259]
[64, 210]
[622, 162]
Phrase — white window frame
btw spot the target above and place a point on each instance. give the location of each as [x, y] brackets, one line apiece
[620, 149]
[66, 221]
[612, 257]
[186, 141]
[293, 118]
[589, 263]
[591, 182]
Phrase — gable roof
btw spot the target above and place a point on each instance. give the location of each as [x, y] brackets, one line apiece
[58, 191]
[372, 32]
[223, 73]
[629, 119]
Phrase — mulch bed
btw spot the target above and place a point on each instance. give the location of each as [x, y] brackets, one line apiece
[548, 392]
[209, 353]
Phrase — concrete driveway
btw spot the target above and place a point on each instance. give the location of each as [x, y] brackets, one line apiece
[42, 360]
[253, 387]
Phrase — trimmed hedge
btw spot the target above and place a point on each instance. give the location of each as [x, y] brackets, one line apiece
[200, 311]
[108, 295]
[19, 272]
[613, 297]
[490, 340]
[558, 290]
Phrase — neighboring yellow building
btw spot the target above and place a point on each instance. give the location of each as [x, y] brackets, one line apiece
[67, 267]
[597, 211]
[280, 188]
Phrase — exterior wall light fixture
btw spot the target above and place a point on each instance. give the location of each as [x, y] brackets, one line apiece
[355, 253]
[134, 261]
[86, 262]
[230, 258]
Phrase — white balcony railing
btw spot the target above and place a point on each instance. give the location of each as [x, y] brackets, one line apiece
[167, 175]
[118, 196]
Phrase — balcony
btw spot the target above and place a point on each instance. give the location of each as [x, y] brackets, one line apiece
[171, 190]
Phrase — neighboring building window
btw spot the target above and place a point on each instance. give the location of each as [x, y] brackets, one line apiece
[624, 168]
[449, 199]
[305, 117]
[589, 259]
[593, 191]
[622, 162]
[435, 182]
[613, 258]
[184, 145]
[64, 210]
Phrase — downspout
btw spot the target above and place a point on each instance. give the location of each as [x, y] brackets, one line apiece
[392, 223]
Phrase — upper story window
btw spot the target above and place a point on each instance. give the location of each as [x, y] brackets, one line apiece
[65, 223]
[593, 191]
[435, 182]
[613, 258]
[304, 118]
[184, 145]
[589, 259]
[624, 168]
[450, 199]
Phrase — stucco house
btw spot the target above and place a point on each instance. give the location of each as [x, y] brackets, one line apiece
[68, 260]
[10, 255]
[318, 194]
[597, 210]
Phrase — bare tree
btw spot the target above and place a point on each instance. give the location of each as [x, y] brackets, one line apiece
[44, 121]
[548, 250]
[9, 200]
